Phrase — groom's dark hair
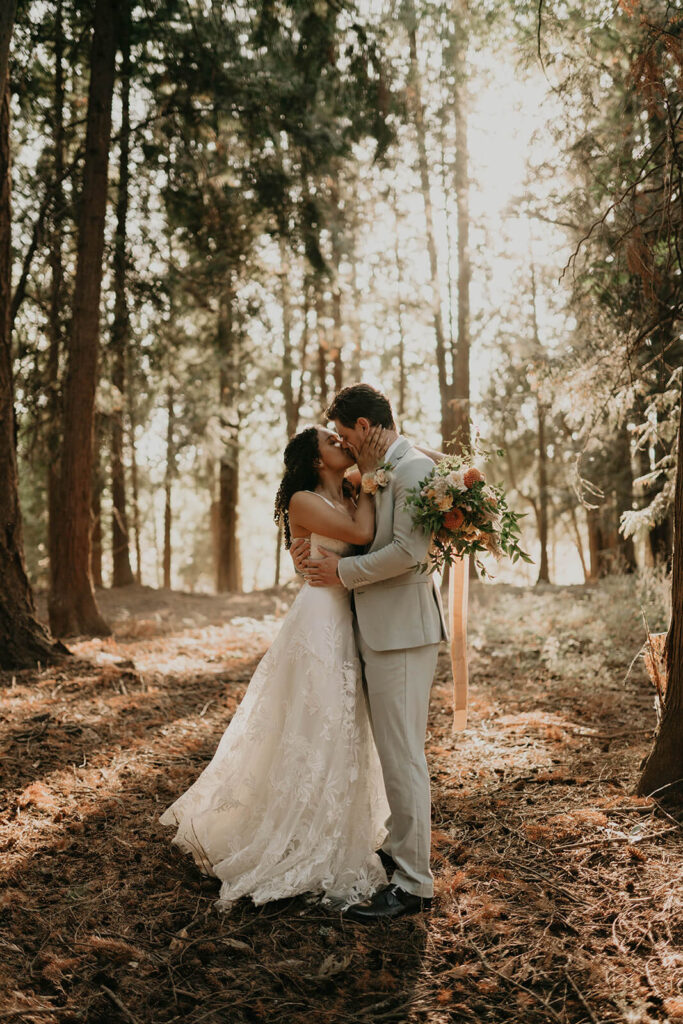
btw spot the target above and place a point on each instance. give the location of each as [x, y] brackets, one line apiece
[361, 400]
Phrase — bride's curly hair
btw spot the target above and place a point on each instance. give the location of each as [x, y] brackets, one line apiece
[301, 454]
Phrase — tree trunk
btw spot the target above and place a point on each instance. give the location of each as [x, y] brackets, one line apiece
[543, 573]
[337, 363]
[402, 384]
[122, 572]
[55, 323]
[8, 12]
[460, 398]
[305, 338]
[448, 423]
[96, 506]
[130, 402]
[290, 400]
[577, 542]
[23, 641]
[596, 543]
[168, 483]
[446, 190]
[229, 576]
[664, 764]
[228, 569]
[72, 604]
[323, 347]
[336, 353]
[624, 496]
[278, 556]
[542, 513]
[354, 317]
[660, 539]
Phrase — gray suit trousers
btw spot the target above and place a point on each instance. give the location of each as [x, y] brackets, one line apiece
[398, 685]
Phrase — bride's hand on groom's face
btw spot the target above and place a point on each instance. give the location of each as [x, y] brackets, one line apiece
[371, 453]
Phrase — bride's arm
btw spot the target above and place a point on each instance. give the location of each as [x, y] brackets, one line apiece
[309, 511]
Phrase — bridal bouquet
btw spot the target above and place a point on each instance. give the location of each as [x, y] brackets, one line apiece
[465, 515]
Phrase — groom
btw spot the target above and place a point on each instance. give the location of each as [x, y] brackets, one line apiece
[399, 624]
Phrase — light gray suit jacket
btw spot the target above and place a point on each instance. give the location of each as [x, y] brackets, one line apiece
[397, 607]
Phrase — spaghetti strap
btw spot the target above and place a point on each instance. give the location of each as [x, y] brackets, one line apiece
[327, 500]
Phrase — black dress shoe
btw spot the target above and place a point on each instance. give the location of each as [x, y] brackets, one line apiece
[388, 862]
[387, 903]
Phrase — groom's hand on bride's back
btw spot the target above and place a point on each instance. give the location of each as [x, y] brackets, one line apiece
[300, 550]
[322, 572]
[319, 572]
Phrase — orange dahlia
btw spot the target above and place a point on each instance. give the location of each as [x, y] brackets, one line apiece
[472, 476]
[453, 520]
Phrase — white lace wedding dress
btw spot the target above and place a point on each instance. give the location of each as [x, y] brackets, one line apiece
[293, 800]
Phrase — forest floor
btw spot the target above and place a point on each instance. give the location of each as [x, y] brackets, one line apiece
[558, 892]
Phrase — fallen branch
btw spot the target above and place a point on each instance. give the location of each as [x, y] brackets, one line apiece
[529, 991]
[581, 998]
[617, 839]
[23, 1011]
[122, 1006]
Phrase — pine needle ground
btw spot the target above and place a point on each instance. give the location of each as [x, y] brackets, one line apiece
[557, 891]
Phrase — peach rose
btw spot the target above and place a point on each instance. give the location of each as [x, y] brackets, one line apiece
[472, 476]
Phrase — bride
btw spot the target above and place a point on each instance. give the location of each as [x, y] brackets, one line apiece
[293, 800]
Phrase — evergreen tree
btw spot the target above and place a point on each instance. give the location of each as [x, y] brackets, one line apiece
[23, 642]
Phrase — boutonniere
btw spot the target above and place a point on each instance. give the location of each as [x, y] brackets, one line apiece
[372, 482]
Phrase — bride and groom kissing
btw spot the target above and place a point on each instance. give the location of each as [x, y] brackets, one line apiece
[320, 782]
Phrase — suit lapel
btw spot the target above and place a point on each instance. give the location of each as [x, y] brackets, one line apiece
[402, 447]
[382, 494]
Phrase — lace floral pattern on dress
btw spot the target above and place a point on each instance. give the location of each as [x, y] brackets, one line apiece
[293, 800]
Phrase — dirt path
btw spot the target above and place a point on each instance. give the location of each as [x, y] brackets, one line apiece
[557, 892]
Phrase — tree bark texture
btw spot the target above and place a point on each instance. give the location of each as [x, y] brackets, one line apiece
[598, 544]
[305, 337]
[130, 408]
[460, 398]
[543, 571]
[541, 508]
[122, 572]
[228, 568]
[336, 353]
[402, 384]
[168, 484]
[323, 347]
[290, 400]
[578, 543]
[55, 319]
[623, 491]
[8, 12]
[23, 641]
[96, 506]
[664, 764]
[72, 604]
[445, 387]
